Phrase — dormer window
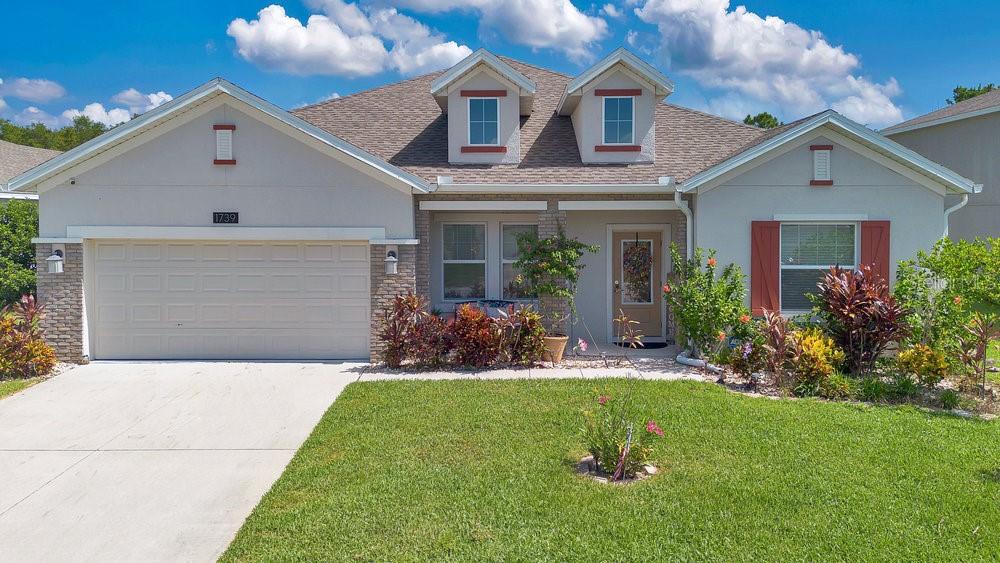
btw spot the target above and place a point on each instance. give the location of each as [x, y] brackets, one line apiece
[619, 120]
[484, 121]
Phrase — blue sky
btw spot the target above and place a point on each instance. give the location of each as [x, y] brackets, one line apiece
[877, 62]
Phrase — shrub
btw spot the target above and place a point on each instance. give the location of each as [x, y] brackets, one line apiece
[706, 307]
[903, 387]
[23, 353]
[861, 315]
[620, 445]
[18, 224]
[814, 358]
[873, 390]
[527, 342]
[551, 266]
[776, 331]
[949, 399]
[923, 363]
[837, 387]
[478, 339]
[430, 342]
[397, 329]
[974, 345]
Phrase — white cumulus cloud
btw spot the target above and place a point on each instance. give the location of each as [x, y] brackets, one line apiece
[32, 114]
[98, 113]
[138, 102]
[767, 59]
[38, 90]
[545, 24]
[612, 11]
[343, 41]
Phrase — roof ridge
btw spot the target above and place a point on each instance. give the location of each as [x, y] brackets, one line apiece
[369, 90]
[705, 113]
[534, 66]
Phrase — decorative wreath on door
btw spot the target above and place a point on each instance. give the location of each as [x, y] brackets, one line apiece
[636, 264]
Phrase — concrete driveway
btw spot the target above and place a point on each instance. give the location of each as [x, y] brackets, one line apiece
[150, 461]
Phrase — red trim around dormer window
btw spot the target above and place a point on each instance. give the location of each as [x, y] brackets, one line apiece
[484, 93]
[618, 92]
[617, 148]
[821, 147]
[485, 148]
[223, 127]
[820, 182]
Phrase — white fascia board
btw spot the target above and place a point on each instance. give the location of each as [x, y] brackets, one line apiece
[56, 240]
[14, 195]
[806, 217]
[135, 126]
[225, 233]
[479, 205]
[590, 189]
[894, 149]
[395, 241]
[485, 57]
[625, 57]
[618, 205]
[889, 131]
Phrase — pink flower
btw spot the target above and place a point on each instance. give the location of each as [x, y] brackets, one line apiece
[652, 428]
[711, 262]
[603, 400]
[666, 288]
[722, 336]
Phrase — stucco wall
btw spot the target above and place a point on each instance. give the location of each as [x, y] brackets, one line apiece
[781, 186]
[970, 147]
[277, 181]
[588, 122]
[458, 121]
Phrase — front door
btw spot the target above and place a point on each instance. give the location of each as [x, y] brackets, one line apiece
[636, 280]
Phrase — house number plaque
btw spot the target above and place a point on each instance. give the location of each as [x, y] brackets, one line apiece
[225, 217]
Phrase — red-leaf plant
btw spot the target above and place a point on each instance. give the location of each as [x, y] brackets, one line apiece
[861, 315]
[397, 328]
[974, 344]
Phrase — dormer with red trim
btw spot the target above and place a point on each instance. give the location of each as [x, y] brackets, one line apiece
[613, 108]
[484, 99]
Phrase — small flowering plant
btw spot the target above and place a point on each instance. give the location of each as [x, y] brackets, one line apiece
[619, 444]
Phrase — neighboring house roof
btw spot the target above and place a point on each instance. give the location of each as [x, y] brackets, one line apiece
[17, 159]
[402, 124]
[776, 137]
[215, 87]
[973, 107]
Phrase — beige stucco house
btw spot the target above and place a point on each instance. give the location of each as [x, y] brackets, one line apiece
[966, 138]
[221, 226]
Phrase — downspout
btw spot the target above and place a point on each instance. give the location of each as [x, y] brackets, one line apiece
[686, 210]
[952, 209]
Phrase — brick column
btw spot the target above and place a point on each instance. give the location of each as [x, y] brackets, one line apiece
[423, 228]
[62, 295]
[554, 310]
[385, 287]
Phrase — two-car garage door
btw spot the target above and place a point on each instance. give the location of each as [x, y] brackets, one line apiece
[228, 300]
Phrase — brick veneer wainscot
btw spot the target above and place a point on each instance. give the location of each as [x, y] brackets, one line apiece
[62, 295]
[385, 287]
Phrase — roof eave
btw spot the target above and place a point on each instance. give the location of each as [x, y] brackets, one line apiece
[482, 56]
[903, 127]
[662, 85]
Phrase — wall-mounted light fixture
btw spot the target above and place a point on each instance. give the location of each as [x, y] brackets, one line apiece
[391, 261]
[55, 262]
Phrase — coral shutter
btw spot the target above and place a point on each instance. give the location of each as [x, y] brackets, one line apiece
[875, 247]
[765, 248]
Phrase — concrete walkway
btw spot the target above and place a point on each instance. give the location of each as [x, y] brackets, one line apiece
[150, 461]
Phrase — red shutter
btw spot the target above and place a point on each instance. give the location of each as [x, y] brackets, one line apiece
[765, 248]
[875, 247]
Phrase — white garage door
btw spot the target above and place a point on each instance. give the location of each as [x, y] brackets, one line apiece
[228, 300]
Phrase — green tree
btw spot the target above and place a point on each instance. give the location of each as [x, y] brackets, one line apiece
[18, 225]
[80, 131]
[763, 120]
[962, 93]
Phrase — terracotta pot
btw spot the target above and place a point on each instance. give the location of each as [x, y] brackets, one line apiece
[554, 348]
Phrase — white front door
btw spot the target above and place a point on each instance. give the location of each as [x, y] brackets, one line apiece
[228, 300]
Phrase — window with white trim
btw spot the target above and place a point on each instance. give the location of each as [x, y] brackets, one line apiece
[808, 250]
[619, 120]
[484, 121]
[511, 286]
[464, 260]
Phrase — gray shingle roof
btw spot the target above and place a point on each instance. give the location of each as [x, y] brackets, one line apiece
[402, 124]
[15, 159]
[985, 101]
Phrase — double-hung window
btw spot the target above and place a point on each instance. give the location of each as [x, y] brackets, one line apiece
[511, 286]
[484, 121]
[808, 250]
[618, 120]
[464, 261]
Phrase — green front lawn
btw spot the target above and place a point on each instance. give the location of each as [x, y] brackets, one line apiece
[482, 470]
[11, 386]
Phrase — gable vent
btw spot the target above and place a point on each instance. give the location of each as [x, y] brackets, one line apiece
[224, 144]
[821, 165]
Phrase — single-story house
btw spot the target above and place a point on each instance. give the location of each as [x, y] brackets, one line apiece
[965, 137]
[16, 159]
[221, 226]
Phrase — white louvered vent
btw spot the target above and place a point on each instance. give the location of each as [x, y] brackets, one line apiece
[821, 165]
[224, 144]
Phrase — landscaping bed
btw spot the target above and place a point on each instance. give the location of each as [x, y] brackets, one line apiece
[486, 470]
[10, 386]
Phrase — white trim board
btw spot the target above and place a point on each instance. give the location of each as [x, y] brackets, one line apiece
[792, 217]
[9, 195]
[435, 205]
[554, 189]
[618, 205]
[226, 233]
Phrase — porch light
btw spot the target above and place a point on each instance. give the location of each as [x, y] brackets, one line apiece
[391, 263]
[55, 262]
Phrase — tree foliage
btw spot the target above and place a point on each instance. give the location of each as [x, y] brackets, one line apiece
[37, 135]
[18, 225]
[763, 120]
[962, 93]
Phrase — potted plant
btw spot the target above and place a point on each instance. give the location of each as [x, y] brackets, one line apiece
[551, 267]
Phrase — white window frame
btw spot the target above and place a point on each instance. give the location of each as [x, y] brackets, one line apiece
[604, 108]
[782, 267]
[621, 266]
[468, 121]
[484, 262]
[504, 261]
